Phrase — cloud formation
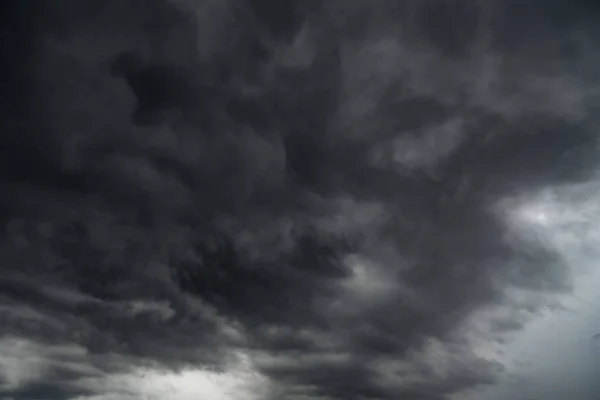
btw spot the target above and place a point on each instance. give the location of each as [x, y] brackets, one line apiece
[317, 185]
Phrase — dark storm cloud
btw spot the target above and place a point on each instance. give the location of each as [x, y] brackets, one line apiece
[333, 202]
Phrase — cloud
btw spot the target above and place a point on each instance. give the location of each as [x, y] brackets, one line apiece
[353, 202]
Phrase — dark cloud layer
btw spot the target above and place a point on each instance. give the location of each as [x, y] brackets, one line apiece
[320, 175]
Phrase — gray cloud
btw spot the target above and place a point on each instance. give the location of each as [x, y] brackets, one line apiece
[336, 217]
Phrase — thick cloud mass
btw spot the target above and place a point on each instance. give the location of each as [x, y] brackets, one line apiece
[313, 183]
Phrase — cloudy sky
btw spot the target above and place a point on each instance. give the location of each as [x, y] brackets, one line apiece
[299, 199]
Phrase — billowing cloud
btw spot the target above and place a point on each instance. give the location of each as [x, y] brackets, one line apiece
[327, 192]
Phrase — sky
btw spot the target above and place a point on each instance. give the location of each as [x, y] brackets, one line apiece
[299, 200]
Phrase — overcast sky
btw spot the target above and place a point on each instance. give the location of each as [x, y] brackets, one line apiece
[318, 199]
